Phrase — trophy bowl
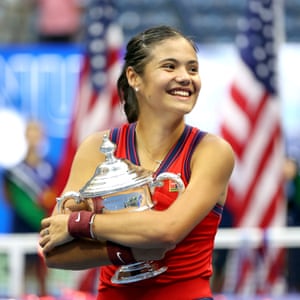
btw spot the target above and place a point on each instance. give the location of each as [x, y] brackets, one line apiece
[118, 185]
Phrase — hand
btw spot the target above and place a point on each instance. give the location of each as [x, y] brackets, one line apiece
[149, 254]
[54, 232]
[70, 205]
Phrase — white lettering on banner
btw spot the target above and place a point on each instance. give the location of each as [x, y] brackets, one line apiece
[42, 85]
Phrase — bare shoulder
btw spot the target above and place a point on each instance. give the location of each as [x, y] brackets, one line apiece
[214, 151]
[86, 160]
[216, 144]
[88, 153]
[92, 142]
[211, 168]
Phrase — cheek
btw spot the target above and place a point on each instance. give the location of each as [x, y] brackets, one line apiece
[198, 84]
[154, 88]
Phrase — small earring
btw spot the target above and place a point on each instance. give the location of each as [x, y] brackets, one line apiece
[136, 89]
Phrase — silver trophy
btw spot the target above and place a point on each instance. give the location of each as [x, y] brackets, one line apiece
[119, 185]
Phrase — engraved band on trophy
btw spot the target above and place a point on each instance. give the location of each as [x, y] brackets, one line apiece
[119, 185]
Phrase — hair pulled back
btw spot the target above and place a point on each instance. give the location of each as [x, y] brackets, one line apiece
[138, 54]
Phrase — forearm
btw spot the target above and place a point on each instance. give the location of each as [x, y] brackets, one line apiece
[69, 240]
[145, 229]
[85, 254]
[78, 255]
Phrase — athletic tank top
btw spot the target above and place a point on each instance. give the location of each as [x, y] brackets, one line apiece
[190, 263]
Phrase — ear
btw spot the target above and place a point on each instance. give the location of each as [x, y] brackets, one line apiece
[132, 77]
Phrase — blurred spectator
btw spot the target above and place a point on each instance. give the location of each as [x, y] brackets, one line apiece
[292, 177]
[17, 21]
[59, 21]
[26, 188]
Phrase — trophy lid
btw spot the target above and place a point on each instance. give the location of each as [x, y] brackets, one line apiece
[114, 175]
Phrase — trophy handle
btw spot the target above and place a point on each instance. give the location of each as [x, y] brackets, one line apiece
[158, 181]
[68, 195]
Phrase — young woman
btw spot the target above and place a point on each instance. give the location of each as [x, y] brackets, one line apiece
[158, 86]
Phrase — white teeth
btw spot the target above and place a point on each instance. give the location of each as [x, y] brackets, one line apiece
[181, 93]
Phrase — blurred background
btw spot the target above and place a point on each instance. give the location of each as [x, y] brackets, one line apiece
[48, 48]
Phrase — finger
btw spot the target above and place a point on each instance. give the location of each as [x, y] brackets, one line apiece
[46, 244]
[45, 232]
[43, 241]
[68, 210]
[45, 223]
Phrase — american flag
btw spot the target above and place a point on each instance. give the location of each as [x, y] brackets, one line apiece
[252, 125]
[97, 104]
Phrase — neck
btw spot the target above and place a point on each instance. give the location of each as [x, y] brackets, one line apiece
[153, 144]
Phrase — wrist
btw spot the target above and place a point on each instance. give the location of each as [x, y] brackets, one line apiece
[80, 224]
[119, 255]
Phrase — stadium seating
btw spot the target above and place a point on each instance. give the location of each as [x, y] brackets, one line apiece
[206, 21]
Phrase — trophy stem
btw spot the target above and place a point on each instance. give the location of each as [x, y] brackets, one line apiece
[138, 271]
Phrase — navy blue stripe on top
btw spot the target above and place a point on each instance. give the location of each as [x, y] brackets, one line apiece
[131, 152]
[172, 155]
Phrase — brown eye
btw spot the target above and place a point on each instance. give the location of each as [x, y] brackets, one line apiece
[169, 66]
[193, 69]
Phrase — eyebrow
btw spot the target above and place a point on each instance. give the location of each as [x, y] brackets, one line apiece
[175, 61]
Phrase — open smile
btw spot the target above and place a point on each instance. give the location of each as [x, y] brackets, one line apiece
[180, 92]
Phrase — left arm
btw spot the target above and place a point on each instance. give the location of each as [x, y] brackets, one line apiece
[211, 167]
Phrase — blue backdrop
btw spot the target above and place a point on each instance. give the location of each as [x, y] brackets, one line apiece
[38, 81]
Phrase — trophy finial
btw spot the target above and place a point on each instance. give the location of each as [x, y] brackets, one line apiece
[108, 148]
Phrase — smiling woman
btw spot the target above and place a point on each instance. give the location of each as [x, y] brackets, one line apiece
[159, 84]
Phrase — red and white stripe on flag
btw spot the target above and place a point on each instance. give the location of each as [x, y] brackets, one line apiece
[97, 105]
[252, 125]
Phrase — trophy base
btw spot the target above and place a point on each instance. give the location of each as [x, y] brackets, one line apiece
[137, 272]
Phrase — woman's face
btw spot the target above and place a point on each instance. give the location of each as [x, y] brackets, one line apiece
[171, 82]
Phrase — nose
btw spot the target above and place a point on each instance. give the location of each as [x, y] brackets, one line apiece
[182, 76]
[184, 80]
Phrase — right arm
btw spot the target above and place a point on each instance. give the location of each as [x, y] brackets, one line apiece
[78, 255]
[85, 254]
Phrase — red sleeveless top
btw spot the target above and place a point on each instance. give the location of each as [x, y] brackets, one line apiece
[190, 263]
